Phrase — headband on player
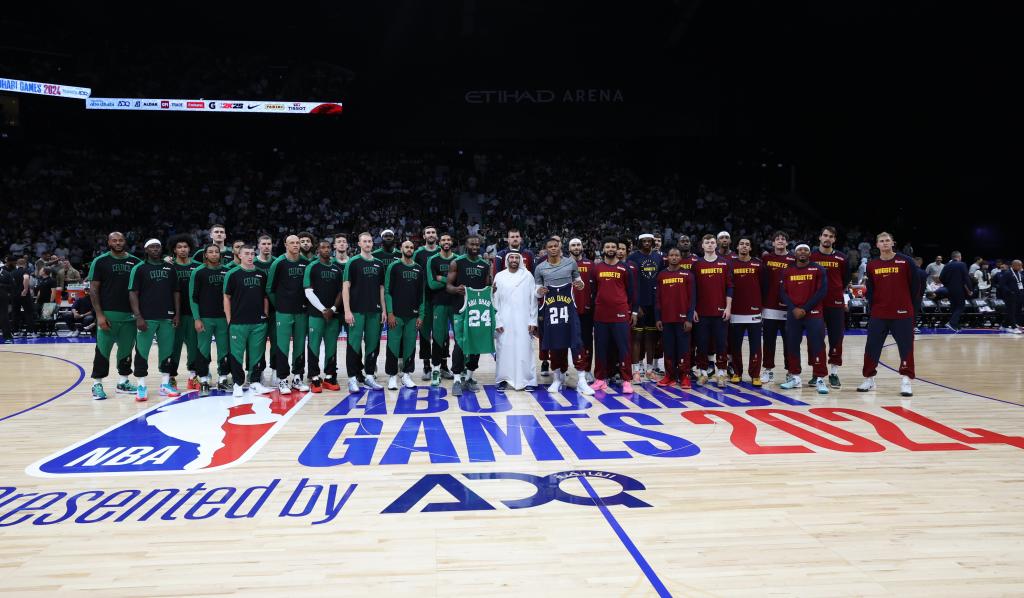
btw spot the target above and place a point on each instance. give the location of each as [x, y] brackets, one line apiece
[387, 231]
[153, 242]
[724, 234]
[805, 245]
[575, 240]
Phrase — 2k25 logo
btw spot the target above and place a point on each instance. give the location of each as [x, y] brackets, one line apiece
[182, 435]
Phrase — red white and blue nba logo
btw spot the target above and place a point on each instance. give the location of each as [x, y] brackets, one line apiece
[182, 435]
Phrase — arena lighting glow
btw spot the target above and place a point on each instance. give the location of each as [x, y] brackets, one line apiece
[202, 105]
[44, 89]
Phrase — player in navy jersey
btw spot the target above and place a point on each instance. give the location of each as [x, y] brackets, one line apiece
[614, 313]
[747, 283]
[802, 289]
[647, 262]
[892, 282]
[773, 310]
[834, 263]
[714, 308]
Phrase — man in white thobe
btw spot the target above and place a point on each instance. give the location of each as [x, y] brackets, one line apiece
[515, 325]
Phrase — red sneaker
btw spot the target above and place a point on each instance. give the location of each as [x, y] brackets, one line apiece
[331, 385]
[685, 383]
[666, 381]
[315, 386]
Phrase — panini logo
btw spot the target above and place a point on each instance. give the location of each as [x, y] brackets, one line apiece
[182, 435]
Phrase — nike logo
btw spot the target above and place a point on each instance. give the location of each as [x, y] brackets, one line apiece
[251, 106]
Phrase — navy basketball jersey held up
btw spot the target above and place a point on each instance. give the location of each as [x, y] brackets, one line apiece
[559, 321]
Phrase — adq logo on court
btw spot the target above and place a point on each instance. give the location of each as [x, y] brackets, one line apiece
[182, 435]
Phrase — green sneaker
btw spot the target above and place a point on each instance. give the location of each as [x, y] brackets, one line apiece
[98, 394]
[435, 378]
[833, 381]
[127, 387]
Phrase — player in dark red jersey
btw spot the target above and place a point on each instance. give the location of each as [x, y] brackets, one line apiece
[773, 312]
[747, 283]
[802, 289]
[624, 245]
[834, 263]
[584, 307]
[892, 282]
[714, 308]
[686, 262]
[614, 313]
[675, 300]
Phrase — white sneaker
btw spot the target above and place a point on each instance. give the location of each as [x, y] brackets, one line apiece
[371, 383]
[589, 376]
[353, 384]
[284, 388]
[582, 387]
[766, 376]
[905, 389]
[821, 385]
[237, 391]
[393, 383]
[556, 384]
[791, 383]
[258, 388]
[407, 381]
[867, 385]
[299, 385]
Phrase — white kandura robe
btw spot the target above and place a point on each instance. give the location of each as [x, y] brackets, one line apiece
[515, 303]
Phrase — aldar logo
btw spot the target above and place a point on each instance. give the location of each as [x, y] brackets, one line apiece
[544, 96]
[182, 435]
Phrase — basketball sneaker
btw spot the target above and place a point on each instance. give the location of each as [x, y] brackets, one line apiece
[98, 393]
[867, 385]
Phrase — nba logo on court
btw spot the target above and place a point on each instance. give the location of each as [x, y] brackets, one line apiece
[183, 435]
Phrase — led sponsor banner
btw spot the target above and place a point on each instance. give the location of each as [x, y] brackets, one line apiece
[236, 106]
[44, 89]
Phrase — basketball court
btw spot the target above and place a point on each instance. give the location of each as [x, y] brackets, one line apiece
[667, 492]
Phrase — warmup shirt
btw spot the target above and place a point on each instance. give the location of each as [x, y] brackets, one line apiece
[747, 282]
[438, 265]
[366, 277]
[548, 275]
[470, 273]
[206, 292]
[891, 287]
[676, 298]
[260, 264]
[247, 289]
[422, 255]
[184, 274]
[838, 276]
[284, 285]
[404, 290]
[325, 280]
[112, 273]
[156, 283]
[647, 266]
[388, 257]
[185, 333]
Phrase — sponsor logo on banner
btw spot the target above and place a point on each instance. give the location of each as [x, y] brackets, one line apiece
[195, 105]
[48, 89]
[185, 434]
[164, 104]
[124, 104]
[298, 107]
[213, 105]
[177, 105]
[326, 109]
[274, 107]
[100, 103]
[150, 104]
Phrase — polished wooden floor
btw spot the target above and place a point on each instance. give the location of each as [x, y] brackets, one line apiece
[937, 512]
